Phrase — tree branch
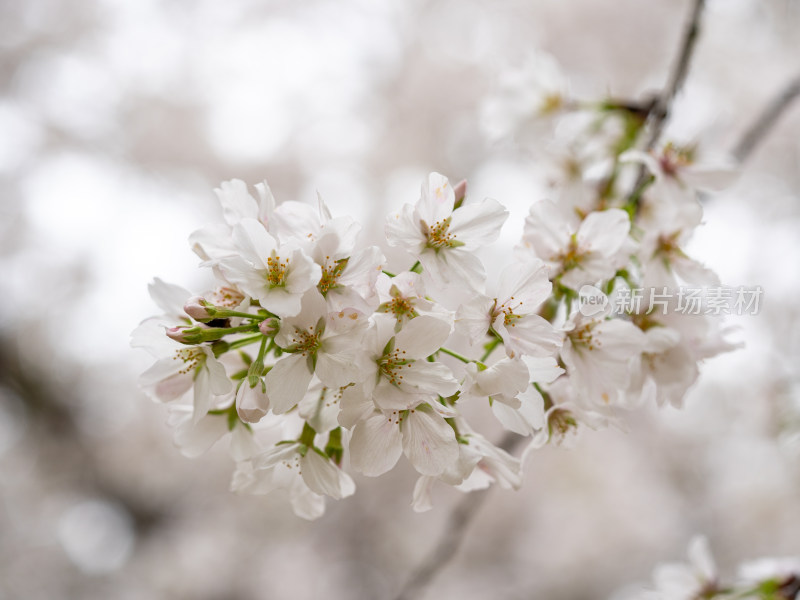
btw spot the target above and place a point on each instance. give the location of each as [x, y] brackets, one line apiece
[766, 120]
[454, 533]
[680, 70]
[661, 107]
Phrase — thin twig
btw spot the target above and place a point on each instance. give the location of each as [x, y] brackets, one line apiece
[766, 120]
[661, 107]
[678, 76]
[454, 532]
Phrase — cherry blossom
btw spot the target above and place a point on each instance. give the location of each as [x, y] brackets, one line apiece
[443, 237]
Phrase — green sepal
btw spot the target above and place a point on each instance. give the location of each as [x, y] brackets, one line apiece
[334, 449]
[239, 375]
[219, 348]
[307, 435]
[233, 417]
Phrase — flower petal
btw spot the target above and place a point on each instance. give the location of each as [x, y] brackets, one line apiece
[604, 231]
[546, 231]
[437, 199]
[422, 336]
[428, 441]
[287, 382]
[404, 229]
[169, 297]
[236, 201]
[253, 241]
[376, 445]
[478, 224]
[324, 477]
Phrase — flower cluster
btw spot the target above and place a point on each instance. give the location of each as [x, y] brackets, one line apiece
[316, 358]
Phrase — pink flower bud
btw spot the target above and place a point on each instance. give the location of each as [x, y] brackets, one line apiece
[269, 327]
[178, 334]
[197, 308]
[186, 335]
[460, 190]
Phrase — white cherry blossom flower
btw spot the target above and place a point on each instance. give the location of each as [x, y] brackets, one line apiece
[303, 471]
[480, 463]
[442, 237]
[421, 433]
[215, 242]
[397, 374]
[194, 438]
[597, 353]
[493, 465]
[513, 312]
[665, 370]
[275, 276]
[171, 299]
[678, 176]
[679, 581]
[321, 405]
[403, 297]
[305, 503]
[661, 255]
[528, 96]
[187, 368]
[577, 252]
[528, 416]
[348, 277]
[315, 341]
[301, 224]
[318, 472]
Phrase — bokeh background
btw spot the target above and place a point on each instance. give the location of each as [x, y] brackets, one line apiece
[117, 119]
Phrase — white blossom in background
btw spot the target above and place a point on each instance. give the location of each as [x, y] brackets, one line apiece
[762, 579]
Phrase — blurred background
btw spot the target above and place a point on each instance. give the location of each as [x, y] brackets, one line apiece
[117, 120]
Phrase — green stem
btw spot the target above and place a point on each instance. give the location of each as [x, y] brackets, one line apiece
[222, 313]
[462, 358]
[416, 267]
[389, 274]
[216, 333]
[245, 341]
[490, 348]
[633, 201]
[257, 366]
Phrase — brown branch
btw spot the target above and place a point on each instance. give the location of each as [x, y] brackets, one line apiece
[677, 78]
[454, 533]
[766, 120]
[663, 104]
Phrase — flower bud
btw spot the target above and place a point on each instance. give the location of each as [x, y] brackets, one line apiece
[252, 403]
[460, 191]
[199, 309]
[269, 327]
[185, 335]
